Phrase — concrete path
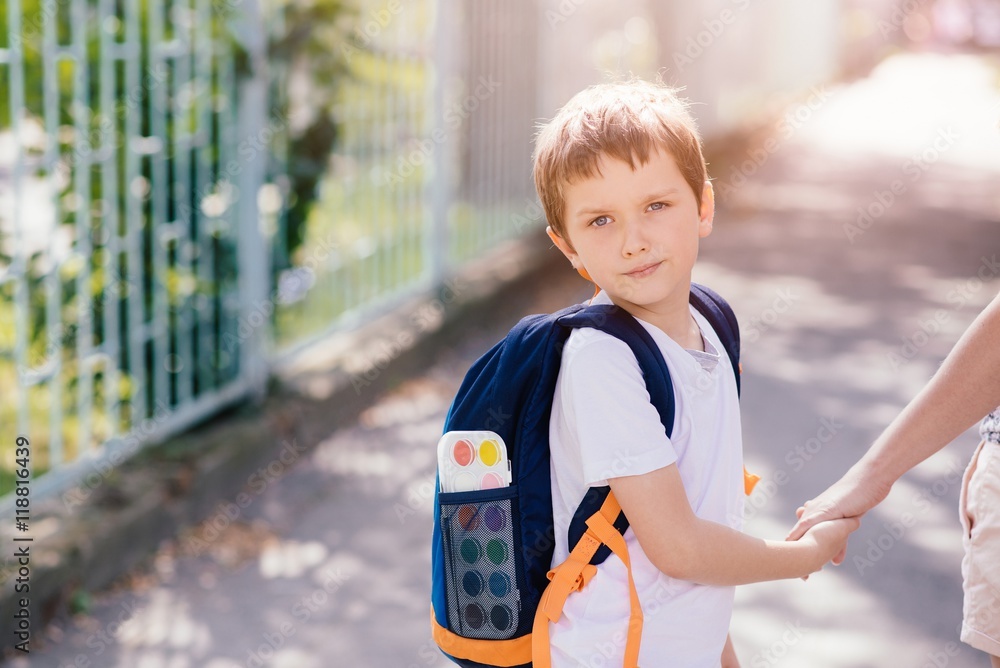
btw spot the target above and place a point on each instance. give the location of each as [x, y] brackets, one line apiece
[845, 314]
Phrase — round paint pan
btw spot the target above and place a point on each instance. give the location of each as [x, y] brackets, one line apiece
[496, 551]
[471, 550]
[491, 480]
[490, 453]
[475, 616]
[472, 583]
[463, 452]
[495, 518]
[465, 482]
[501, 617]
[499, 584]
[468, 518]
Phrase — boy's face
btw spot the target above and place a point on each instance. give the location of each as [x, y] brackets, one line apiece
[636, 232]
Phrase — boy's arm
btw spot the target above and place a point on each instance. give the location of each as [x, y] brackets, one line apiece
[686, 547]
[729, 658]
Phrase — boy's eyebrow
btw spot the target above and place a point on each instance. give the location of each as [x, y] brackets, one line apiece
[594, 210]
[662, 194]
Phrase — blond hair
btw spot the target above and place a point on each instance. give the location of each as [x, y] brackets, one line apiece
[627, 121]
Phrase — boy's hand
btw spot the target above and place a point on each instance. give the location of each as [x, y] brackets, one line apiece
[830, 540]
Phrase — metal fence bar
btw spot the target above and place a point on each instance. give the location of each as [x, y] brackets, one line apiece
[18, 267]
[438, 183]
[110, 287]
[53, 283]
[254, 289]
[204, 97]
[159, 189]
[135, 187]
[83, 250]
[179, 365]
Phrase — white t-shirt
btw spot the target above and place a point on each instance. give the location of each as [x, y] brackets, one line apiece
[604, 426]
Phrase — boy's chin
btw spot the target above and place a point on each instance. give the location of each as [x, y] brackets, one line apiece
[643, 299]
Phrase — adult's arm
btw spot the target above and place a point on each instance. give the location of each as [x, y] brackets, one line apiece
[965, 388]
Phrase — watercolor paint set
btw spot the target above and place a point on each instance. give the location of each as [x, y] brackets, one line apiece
[471, 460]
[478, 534]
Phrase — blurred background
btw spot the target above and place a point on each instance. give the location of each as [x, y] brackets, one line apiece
[195, 193]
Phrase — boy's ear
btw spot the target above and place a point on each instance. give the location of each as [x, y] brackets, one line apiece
[568, 251]
[707, 213]
[562, 245]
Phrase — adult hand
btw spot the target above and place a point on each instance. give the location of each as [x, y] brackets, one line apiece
[851, 496]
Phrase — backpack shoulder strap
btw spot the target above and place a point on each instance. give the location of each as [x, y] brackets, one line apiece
[619, 323]
[722, 319]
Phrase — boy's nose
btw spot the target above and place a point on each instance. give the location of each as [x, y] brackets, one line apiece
[634, 241]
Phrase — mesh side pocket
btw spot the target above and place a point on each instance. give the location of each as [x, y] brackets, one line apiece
[484, 601]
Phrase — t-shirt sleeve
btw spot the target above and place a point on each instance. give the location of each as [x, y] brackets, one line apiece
[607, 407]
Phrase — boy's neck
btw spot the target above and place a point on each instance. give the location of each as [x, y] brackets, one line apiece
[675, 320]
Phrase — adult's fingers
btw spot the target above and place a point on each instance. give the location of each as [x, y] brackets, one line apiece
[813, 512]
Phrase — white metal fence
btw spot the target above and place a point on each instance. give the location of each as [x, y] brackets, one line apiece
[152, 254]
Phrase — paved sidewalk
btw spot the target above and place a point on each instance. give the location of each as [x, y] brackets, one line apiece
[844, 315]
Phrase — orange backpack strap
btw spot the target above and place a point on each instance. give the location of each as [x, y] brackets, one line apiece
[750, 481]
[574, 574]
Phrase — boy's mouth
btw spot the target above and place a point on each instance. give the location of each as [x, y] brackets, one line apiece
[644, 270]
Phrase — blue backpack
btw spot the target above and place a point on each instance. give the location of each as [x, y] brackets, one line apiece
[493, 594]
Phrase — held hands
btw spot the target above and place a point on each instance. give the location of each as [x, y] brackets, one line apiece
[842, 505]
[829, 539]
[851, 496]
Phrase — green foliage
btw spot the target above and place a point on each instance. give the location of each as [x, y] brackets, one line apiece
[94, 289]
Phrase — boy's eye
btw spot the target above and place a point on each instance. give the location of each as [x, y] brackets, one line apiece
[656, 206]
[600, 221]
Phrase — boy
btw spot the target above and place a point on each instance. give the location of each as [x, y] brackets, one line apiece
[624, 186]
